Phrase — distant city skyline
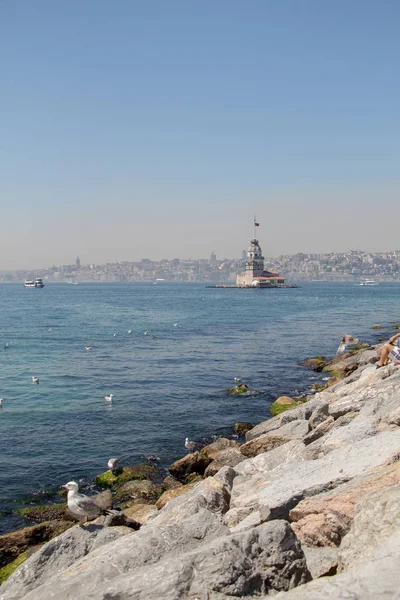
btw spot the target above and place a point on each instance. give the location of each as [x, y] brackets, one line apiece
[159, 129]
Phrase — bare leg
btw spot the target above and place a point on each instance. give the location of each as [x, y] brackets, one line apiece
[384, 359]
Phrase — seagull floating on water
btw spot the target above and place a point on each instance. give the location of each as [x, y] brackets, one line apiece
[6, 345]
[114, 335]
[129, 330]
[112, 464]
[81, 505]
[49, 329]
[1, 401]
[155, 337]
[88, 347]
[108, 398]
[35, 379]
[174, 324]
[347, 340]
[145, 333]
[237, 380]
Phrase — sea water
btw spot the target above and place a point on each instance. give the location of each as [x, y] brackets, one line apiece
[166, 387]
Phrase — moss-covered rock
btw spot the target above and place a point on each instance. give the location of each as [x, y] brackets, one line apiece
[110, 480]
[316, 363]
[282, 404]
[396, 326]
[140, 491]
[238, 390]
[242, 428]
[9, 569]
[376, 326]
[47, 512]
[358, 348]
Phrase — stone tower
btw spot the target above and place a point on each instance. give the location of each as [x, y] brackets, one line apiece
[254, 261]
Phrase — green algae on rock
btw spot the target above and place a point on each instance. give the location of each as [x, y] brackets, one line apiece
[376, 326]
[109, 480]
[316, 363]
[282, 404]
[46, 512]
[9, 569]
[237, 390]
[242, 428]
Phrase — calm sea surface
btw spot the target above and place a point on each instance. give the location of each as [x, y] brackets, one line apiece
[165, 388]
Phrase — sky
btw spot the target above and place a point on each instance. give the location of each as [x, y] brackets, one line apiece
[153, 129]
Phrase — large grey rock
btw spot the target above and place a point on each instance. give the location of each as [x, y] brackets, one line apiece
[264, 427]
[376, 579]
[57, 555]
[285, 486]
[245, 564]
[321, 560]
[295, 429]
[230, 457]
[376, 517]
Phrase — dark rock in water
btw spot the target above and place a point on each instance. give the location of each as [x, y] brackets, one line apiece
[191, 463]
[47, 512]
[316, 363]
[238, 390]
[242, 428]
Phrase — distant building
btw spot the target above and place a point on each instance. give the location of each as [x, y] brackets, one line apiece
[255, 274]
[78, 262]
[213, 258]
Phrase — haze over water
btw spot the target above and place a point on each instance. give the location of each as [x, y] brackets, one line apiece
[165, 388]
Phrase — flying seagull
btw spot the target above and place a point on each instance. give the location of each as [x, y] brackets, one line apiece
[155, 337]
[108, 398]
[88, 347]
[112, 464]
[81, 505]
[347, 340]
[35, 379]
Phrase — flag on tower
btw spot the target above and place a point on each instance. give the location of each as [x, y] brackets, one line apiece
[256, 224]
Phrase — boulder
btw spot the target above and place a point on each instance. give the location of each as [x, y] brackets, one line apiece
[47, 512]
[195, 462]
[269, 441]
[140, 512]
[242, 428]
[319, 415]
[319, 431]
[160, 564]
[114, 479]
[282, 404]
[174, 493]
[264, 427]
[58, 554]
[325, 519]
[316, 363]
[170, 483]
[321, 561]
[379, 577]
[229, 457]
[212, 450]
[138, 491]
[376, 517]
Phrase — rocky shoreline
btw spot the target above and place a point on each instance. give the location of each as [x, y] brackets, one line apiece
[308, 506]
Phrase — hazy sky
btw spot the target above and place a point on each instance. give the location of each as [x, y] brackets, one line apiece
[157, 128]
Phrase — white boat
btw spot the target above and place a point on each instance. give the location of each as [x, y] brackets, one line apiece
[37, 283]
[368, 282]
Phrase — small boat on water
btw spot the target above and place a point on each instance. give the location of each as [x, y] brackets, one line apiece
[368, 282]
[37, 283]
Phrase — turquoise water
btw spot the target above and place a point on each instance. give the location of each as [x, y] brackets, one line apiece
[165, 388]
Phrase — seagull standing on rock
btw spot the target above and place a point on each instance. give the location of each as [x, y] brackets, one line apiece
[81, 505]
[191, 446]
[112, 464]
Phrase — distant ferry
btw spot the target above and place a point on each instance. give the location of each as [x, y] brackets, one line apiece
[368, 282]
[37, 283]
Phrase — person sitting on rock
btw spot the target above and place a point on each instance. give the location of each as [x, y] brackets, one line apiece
[389, 351]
